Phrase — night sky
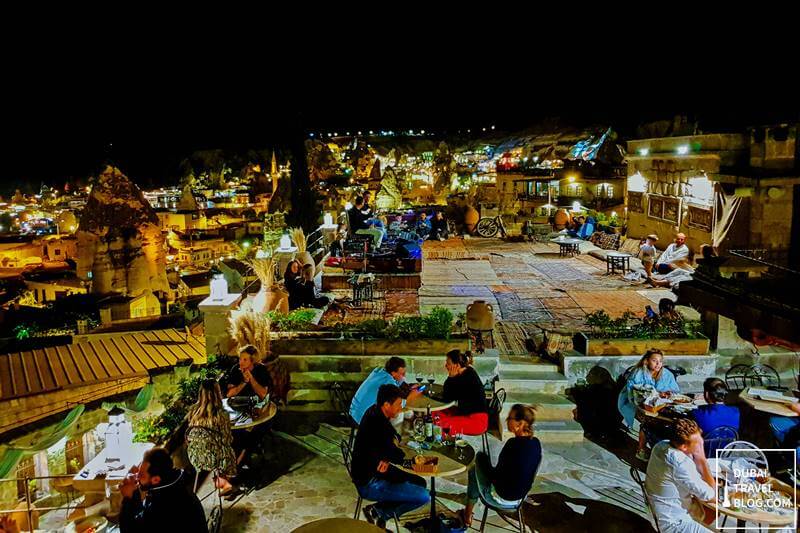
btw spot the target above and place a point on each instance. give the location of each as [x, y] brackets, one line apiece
[148, 125]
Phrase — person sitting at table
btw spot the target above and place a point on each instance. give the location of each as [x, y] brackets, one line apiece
[439, 227]
[423, 226]
[392, 373]
[675, 256]
[375, 453]
[291, 277]
[356, 218]
[212, 451]
[250, 378]
[397, 224]
[666, 310]
[648, 371]
[463, 385]
[715, 413]
[512, 478]
[157, 497]
[678, 472]
[306, 292]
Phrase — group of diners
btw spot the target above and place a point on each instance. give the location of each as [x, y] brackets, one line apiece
[378, 406]
[678, 476]
[298, 279]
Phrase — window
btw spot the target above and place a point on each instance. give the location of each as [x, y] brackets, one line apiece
[604, 190]
[58, 251]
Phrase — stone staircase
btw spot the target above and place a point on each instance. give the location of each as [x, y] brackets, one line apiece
[534, 381]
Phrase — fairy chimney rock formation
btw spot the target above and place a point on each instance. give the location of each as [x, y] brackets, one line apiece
[120, 246]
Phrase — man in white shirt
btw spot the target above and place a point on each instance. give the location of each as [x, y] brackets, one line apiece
[677, 473]
[675, 256]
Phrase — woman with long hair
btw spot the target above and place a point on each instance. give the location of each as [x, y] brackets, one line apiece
[648, 371]
[211, 448]
[512, 478]
[470, 416]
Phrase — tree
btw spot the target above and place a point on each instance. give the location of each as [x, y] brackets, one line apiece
[303, 212]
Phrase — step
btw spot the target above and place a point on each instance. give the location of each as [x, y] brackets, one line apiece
[555, 431]
[534, 368]
[549, 406]
[545, 382]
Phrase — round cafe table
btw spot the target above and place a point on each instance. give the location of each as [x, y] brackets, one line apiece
[451, 463]
[240, 420]
[761, 518]
[431, 397]
[567, 247]
[765, 406]
[337, 525]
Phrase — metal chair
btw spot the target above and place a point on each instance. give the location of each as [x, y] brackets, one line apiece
[718, 438]
[495, 408]
[637, 478]
[742, 448]
[504, 511]
[761, 375]
[346, 458]
[735, 377]
[341, 402]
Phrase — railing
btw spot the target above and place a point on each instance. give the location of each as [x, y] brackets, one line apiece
[62, 501]
[776, 260]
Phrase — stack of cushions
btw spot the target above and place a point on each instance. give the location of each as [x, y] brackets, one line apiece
[606, 241]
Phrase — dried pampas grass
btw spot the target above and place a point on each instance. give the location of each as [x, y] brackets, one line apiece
[299, 239]
[264, 270]
[250, 327]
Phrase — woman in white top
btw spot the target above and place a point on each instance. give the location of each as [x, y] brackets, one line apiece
[677, 472]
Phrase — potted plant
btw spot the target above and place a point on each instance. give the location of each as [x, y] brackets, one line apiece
[630, 335]
[271, 296]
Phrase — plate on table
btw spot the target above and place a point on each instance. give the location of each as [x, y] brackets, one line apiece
[90, 524]
[680, 399]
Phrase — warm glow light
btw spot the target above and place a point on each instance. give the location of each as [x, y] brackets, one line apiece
[286, 242]
[683, 149]
[613, 213]
[576, 206]
[644, 151]
[246, 244]
[570, 178]
[535, 158]
[422, 132]
[636, 183]
[348, 206]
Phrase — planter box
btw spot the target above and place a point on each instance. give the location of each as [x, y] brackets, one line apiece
[328, 346]
[588, 346]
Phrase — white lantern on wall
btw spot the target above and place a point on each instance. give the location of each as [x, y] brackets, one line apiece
[118, 435]
[286, 242]
[219, 287]
[328, 219]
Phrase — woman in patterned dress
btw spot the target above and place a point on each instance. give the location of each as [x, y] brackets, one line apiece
[211, 450]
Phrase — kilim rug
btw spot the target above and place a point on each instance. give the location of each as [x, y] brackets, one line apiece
[558, 270]
[513, 308]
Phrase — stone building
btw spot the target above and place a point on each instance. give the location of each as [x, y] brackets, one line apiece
[120, 244]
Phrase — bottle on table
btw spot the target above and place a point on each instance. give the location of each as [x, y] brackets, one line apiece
[428, 425]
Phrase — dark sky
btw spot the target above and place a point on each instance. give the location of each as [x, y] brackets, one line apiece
[56, 128]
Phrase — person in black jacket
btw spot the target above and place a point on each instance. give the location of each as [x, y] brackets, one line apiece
[306, 292]
[356, 216]
[157, 497]
[463, 385]
[512, 478]
[439, 227]
[375, 451]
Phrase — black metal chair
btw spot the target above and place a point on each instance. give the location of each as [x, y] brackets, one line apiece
[495, 408]
[505, 511]
[761, 375]
[735, 377]
[341, 399]
[347, 459]
[718, 438]
[637, 478]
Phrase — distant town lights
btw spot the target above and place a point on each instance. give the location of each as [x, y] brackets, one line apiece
[644, 151]
[683, 149]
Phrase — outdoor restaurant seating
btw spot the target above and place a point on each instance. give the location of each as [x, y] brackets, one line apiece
[718, 438]
[739, 377]
[495, 408]
[741, 448]
[346, 458]
[506, 512]
[637, 478]
[341, 399]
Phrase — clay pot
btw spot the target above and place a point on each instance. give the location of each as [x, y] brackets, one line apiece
[471, 217]
[562, 218]
[480, 316]
[274, 299]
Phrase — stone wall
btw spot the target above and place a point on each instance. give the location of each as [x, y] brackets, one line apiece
[770, 214]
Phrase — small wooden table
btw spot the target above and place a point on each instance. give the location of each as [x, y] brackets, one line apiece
[568, 247]
[240, 420]
[617, 261]
[420, 404]
[765, 406]
[450, 464]
[337, 525]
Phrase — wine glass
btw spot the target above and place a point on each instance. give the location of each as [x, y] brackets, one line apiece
[419, 379]
[460, 445]
[446, 432]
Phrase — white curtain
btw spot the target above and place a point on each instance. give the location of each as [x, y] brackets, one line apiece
[725, 208]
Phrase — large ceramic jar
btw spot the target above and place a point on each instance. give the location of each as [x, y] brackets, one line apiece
[480, 316]
[471, 217]
[562, 218]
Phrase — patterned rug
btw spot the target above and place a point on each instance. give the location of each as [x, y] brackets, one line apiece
[513, 308]
[449, 249]
[612, 302]
[559, 270]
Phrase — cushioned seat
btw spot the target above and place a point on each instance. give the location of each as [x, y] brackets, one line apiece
[598, 253]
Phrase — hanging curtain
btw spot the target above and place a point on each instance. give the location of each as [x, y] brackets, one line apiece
[139, 404]
[13, 454]
[725, 208]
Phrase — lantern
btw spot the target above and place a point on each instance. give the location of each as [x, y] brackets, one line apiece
[118, 435]
[328, 219]
[219, 287]
[286, 242]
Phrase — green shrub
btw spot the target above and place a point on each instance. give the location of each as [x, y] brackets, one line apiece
[297, 320]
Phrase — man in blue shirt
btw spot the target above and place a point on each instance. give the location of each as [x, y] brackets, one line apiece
[392, 373]
[715, 413]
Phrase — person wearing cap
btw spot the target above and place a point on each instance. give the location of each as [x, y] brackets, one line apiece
[647, 253]
[674, 256]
